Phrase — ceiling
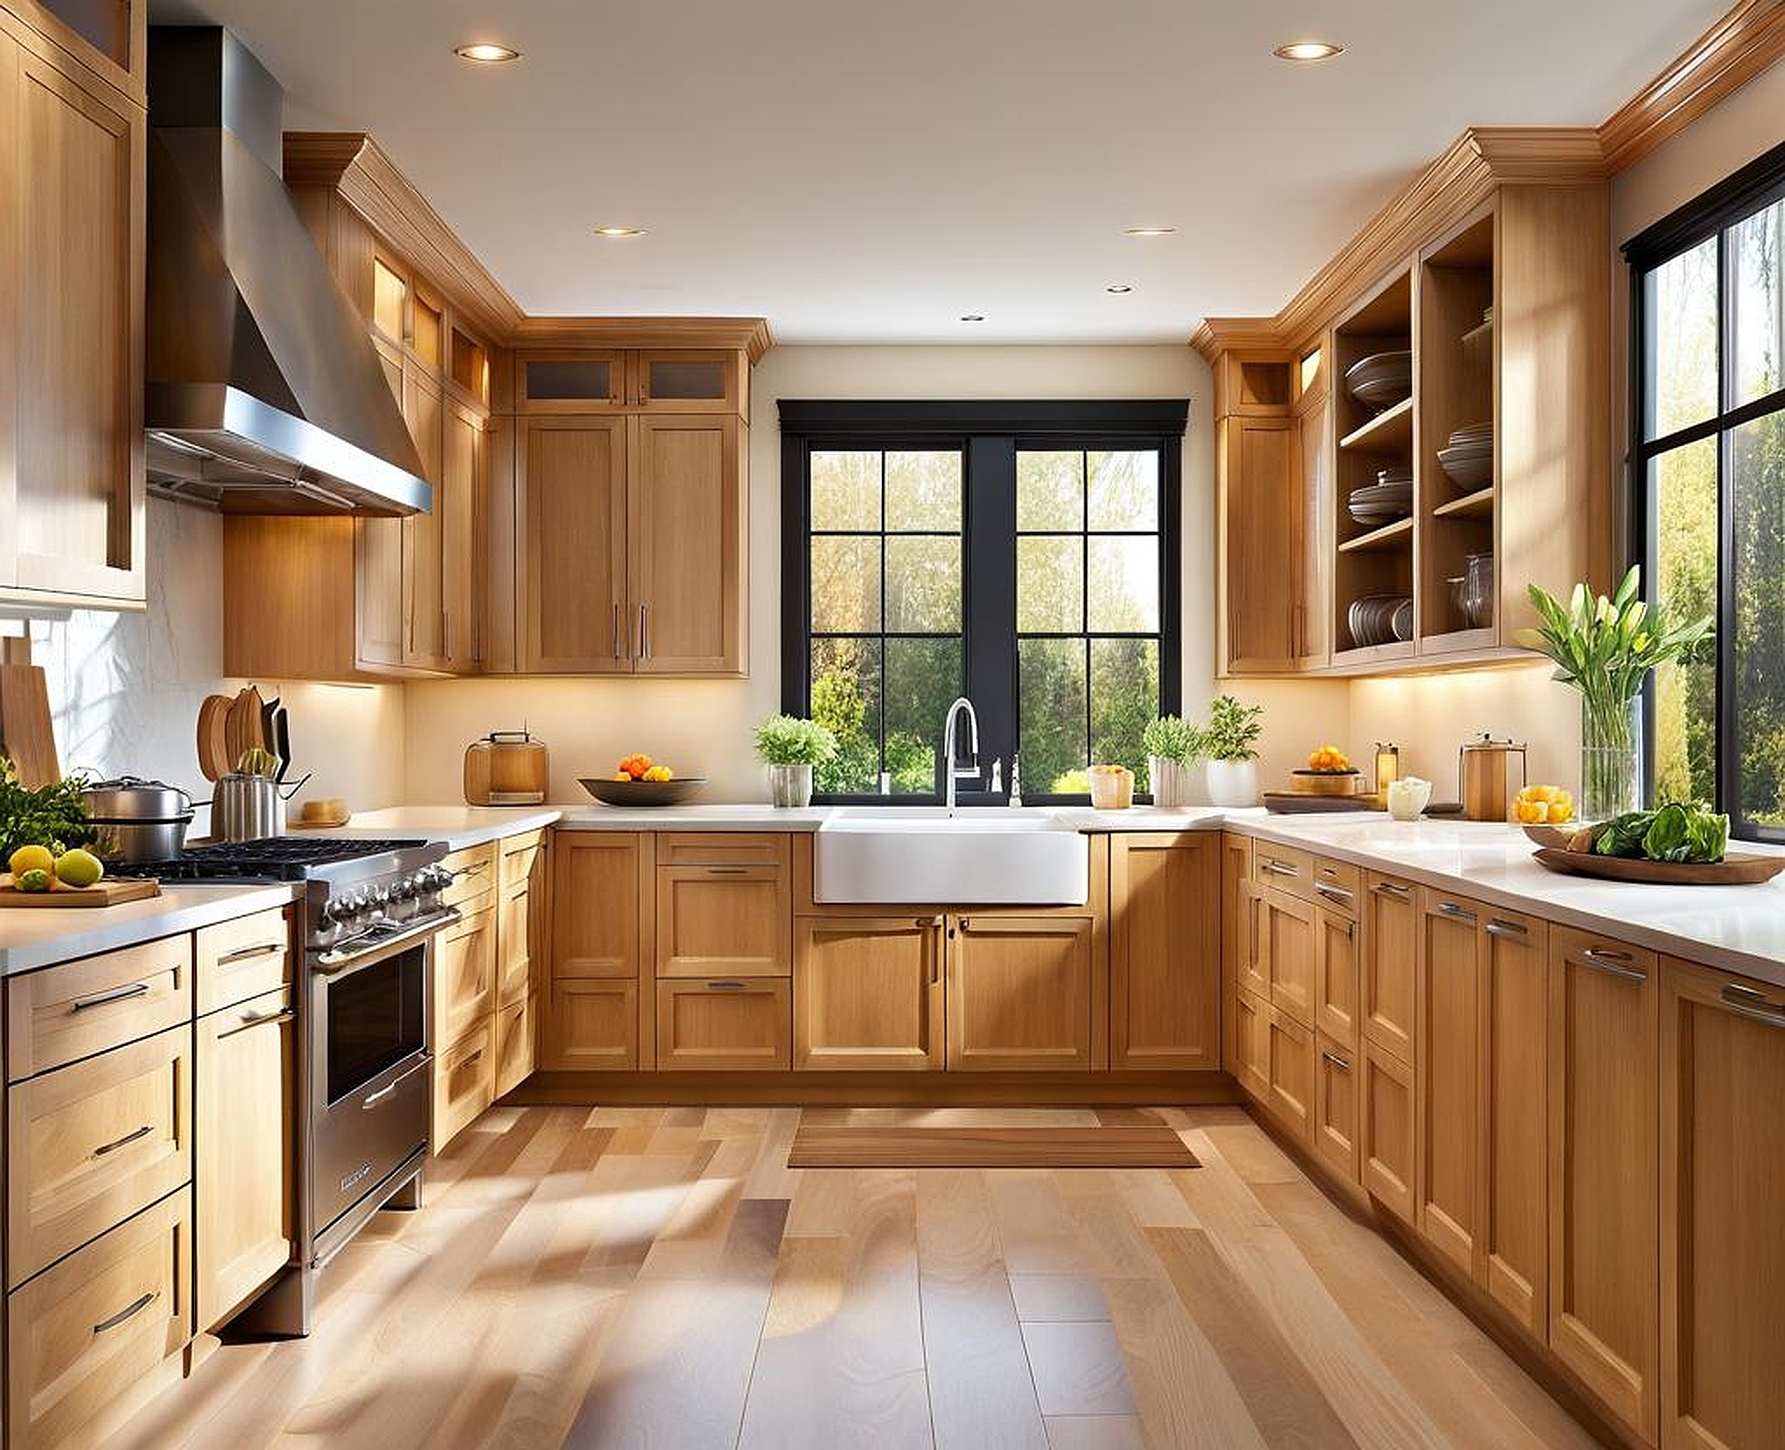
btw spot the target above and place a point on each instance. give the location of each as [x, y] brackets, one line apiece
[868, 172]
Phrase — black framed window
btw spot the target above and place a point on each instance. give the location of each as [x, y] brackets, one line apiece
[1022, 554]
[1708, 408]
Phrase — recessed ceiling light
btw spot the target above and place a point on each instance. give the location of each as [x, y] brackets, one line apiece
[1148, 231]
[1307, 50]
[486, 52]
[1118, 288]
[973, 317]
[619, 231]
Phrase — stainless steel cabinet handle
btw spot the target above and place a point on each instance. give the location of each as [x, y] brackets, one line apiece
[243, 954]
[1333, 893]
[1498, 927]
[1609, 963]
[1336, 1061]
[725, 986]
[261, 1019]
[619, 652]
[128, 1313]
[727, 870]
[1280, 868]
[1399, 893]
[1746, 1002]
[117, 994]
[128, 1138]
[1457, 913]
[644, 631]
[384, 1092]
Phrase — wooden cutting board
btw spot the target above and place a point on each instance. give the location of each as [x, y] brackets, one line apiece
[1735, 869]
[106, 893]
[213, 737]
[243, 725]
[25, 732]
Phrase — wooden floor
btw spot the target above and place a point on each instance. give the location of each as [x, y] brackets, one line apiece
[659, 1279]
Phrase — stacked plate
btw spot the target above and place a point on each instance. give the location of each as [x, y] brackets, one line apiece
[1388, 499]
[1382, 379]
[1380, 619]
[1469, 460]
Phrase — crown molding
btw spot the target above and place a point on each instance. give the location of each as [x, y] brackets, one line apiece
[743, 334]
[1745, 42]
[1236, 334]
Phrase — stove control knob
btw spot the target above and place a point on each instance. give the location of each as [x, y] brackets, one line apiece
[406, 889]
[333, 910]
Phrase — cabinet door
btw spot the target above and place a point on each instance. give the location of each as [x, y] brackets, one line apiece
[514, 943]
[867, 993]
[688, 380]
[1165, 1002]
[460, 503]
[1513, 1258]
[1389, 965]
[424, 582]
[1447, 1077]
[1019, 994]
[1336, 941]
[1385, 1128]
[1336, 1106]
[464, 977]
[1287, 948]
[76, 495]
[595, 908]
[1259, 513]
[464, 1084]
[736, 1024]
[1253, 976]
[1722, 1181]
[1247, 1066]
[1289, 1059]
[1313, 461]
[1604, 1111]
[516, 1044]
[592, 1027]
[580, 381]
[571, 476]
[687, 561]
[245, 1112]
[733, 921]
[1236, 871]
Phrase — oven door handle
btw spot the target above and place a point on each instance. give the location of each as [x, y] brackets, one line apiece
[337, 963]
[372, 1100]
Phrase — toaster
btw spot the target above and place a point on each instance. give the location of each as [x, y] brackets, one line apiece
[505, 768]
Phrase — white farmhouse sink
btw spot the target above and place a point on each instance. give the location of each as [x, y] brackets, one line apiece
[977, 857]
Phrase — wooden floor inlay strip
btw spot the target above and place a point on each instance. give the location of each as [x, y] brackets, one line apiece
[831, 1145]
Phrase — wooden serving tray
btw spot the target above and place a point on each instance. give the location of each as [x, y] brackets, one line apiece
[106, 893]
[1326, 782]
[1300, 803]
[1735, 869]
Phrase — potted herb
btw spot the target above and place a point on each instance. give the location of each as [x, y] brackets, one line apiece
[1605, 648]
[1230, 742]
[1171, 747]
[790, 747]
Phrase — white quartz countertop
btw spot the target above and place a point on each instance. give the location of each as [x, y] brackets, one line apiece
[32, 938]
[767, 818]
[457, 826]
[1734, 928]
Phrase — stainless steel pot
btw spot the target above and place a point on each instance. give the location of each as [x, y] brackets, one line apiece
[250, 807]
[138, 820]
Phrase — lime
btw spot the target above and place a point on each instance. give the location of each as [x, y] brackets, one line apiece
[31, 858]
[34, 880]
[79, 868]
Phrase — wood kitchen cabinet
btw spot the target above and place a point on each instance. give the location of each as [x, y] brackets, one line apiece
[1236, 950]
[1386, 1135]
[1164, 967]
[868, 993]
[1447, 1077]
[72, 217]
[1722, 1181]
[571, 476]
[1388, 969]
[1257, 484]
[633, 380]
[1289, 1072]
[1604, 1174]
[524, 914]
[1336, 1137]
[724, 918]
[603, 926]
[731, 1024]
[1286, 950]
[1248, 1062]
[1019, 993]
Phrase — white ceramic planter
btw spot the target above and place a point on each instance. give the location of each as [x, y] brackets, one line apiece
[1232, 782]
[1170, 781]
[790, 786]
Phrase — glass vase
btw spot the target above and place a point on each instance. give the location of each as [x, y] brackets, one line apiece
[1610, 758]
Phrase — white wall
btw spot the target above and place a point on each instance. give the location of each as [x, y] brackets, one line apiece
[125, 688]
[703, 726]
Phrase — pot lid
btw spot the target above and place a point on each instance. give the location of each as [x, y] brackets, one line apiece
[131, 798]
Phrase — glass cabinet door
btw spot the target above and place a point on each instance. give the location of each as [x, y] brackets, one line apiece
[686, 381]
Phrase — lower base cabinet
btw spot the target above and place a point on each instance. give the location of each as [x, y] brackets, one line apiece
[464, 1083]
[96, 1327]
[1164, 953]
[1335, 1107]
[1289, 1062]
[1019, 993]
[515, 1026]
[742, 1024]
[593, 1026]
[1249, 1043]
[867, 993]
[1385, 1129]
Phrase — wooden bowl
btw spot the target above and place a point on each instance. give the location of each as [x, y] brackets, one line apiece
[644, 792]
[1326, 782]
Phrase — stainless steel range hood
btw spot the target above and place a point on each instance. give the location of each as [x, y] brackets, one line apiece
[265, 394]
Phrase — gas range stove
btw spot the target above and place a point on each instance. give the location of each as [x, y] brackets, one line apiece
[278, 858]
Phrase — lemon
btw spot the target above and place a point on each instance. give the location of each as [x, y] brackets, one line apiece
[35, 879]
[31, 858]
[79, 868]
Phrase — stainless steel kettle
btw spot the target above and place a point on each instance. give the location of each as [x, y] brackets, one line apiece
[249, 807]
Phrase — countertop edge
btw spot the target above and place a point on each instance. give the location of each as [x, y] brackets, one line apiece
[173, 913]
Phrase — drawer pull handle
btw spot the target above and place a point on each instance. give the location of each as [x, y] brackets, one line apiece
[1749, 1003]
[125, 1141]
[1280, 868]
[117, 994]
[1333, 893]
[1497, 927]
[1611, 964]
[374, 1099]
[1399, 893]
[474, 1059]
[1336, 1061]
[726, 870]
[129, 1312]
[1457, 913]
[258, 1019]
[725, 986]
[243, 954]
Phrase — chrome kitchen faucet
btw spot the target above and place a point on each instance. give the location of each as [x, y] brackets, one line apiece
[950, 773]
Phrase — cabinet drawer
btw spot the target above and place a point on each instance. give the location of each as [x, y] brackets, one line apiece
[464, 975]
[1335, 1106]
[514, 944]
[84, 1334]
[1337, 884]
[475, 878]
[464, 1084]
[592, 1026]
[515, 1044]
[727, 1024]
[1385, 1128]
[1288, 868]
[64, 1013]
[519, 856]
[236, 960]
[1289, 1066]
[722, 848]
[90, 1144]
[723, 921]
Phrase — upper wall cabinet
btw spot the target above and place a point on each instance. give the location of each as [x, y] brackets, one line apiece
[1424, 447]
[665, 380]
[108, 37]
[72, 169]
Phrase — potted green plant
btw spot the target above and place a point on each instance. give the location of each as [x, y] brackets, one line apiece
[1605, 648]
[1171, 747]
[790, 747]
[1230, 743]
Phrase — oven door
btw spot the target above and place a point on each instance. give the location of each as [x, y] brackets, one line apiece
[369, 1071]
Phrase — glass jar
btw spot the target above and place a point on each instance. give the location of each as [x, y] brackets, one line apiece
[1477, 598]
[1610, 758]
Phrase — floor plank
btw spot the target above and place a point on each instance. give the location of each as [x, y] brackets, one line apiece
[854, 1145]
[1078, 1368]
